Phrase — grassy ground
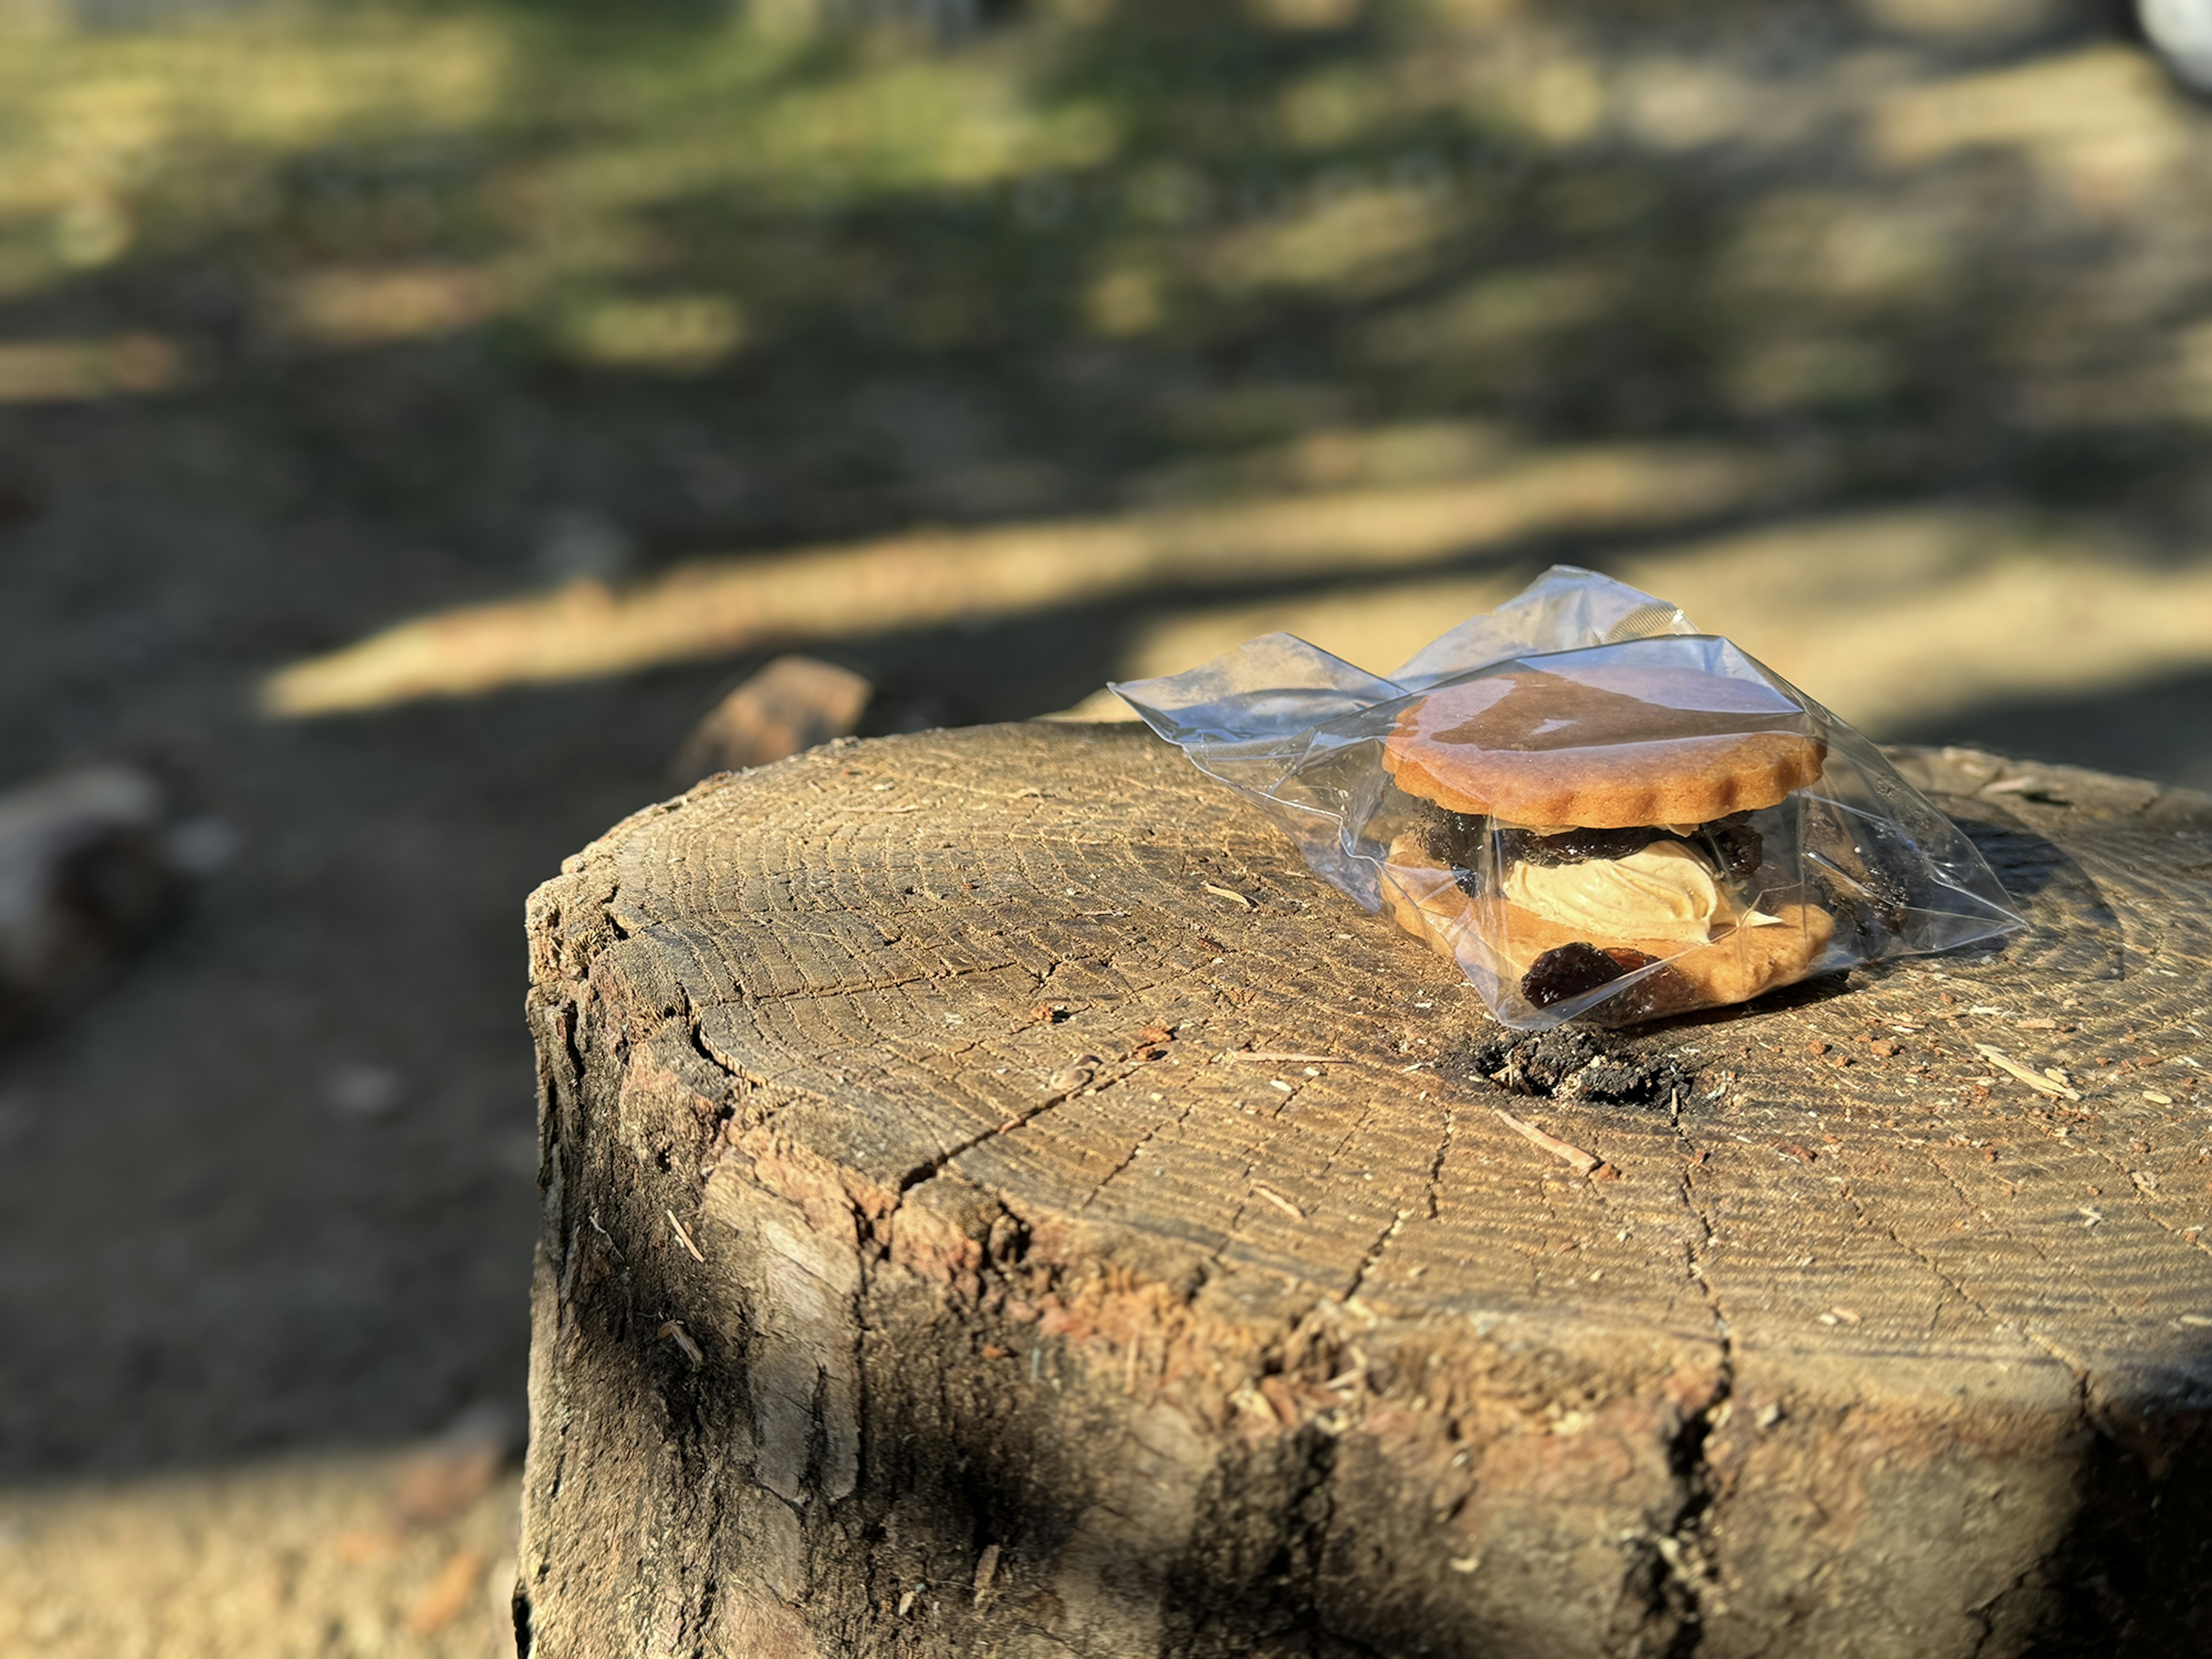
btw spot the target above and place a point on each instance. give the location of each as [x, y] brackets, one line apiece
[1083, 344]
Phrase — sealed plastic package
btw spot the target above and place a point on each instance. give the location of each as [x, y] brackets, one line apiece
[1596, 812]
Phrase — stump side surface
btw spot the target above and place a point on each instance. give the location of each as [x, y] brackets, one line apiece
[1036, 1036]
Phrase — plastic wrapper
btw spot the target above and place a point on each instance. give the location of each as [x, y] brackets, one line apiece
[1598, 812]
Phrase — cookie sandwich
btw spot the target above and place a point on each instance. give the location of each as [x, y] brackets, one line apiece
[1610, 814]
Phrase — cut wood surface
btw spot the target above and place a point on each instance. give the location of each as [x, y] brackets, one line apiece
[997, 1200]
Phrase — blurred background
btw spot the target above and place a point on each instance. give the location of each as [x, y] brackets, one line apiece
[428, 432]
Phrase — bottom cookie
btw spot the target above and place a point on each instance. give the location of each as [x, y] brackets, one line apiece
[1737, 964]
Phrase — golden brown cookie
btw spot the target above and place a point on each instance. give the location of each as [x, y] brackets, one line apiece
[1738, 964]
[1605, 747]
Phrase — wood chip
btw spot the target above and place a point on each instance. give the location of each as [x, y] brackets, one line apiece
[672, 1330]
[1581, 1161]
[987, 1569]
[2035, 1024]
[1278, 1201]
[2035, 1080]
[1256, 1403]
[2156, 1098]
[1074, 1075]
[1279, 1056]
[683, 1235]
[1230, 893]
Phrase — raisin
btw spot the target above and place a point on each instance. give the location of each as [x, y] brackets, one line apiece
[1569, 970]
[1665, 992]
[1736, 847]
[1455, 838]
[1575, 846]
[1739, 850]
[1870, 906]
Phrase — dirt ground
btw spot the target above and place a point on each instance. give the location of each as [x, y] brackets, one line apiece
[1877, 335]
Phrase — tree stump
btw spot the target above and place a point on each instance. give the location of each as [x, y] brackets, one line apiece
[997, 1201]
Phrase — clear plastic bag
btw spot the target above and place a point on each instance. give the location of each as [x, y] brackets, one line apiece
[1598, 812]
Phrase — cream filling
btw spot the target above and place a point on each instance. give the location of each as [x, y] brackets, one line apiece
[1665, 891]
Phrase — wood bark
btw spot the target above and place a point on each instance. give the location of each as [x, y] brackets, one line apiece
[998, 1201]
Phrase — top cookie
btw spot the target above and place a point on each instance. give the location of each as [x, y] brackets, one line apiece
[1628, 738]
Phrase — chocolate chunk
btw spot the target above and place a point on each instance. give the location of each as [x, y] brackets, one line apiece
[1570, 969]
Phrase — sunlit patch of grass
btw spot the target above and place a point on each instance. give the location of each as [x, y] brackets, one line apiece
[919, 124]
[1355, 238]
[1779, 376]
[681, 334]
[374, 305]
[2103, 126]
[2193, 375]
[370, 136]
[101, 125]
[1337, 457]
[1514, 308]
[1341, 104]
[77, 370]
[1125, 300]
[1673, 104]
[1304, 15]
[1844, 246]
